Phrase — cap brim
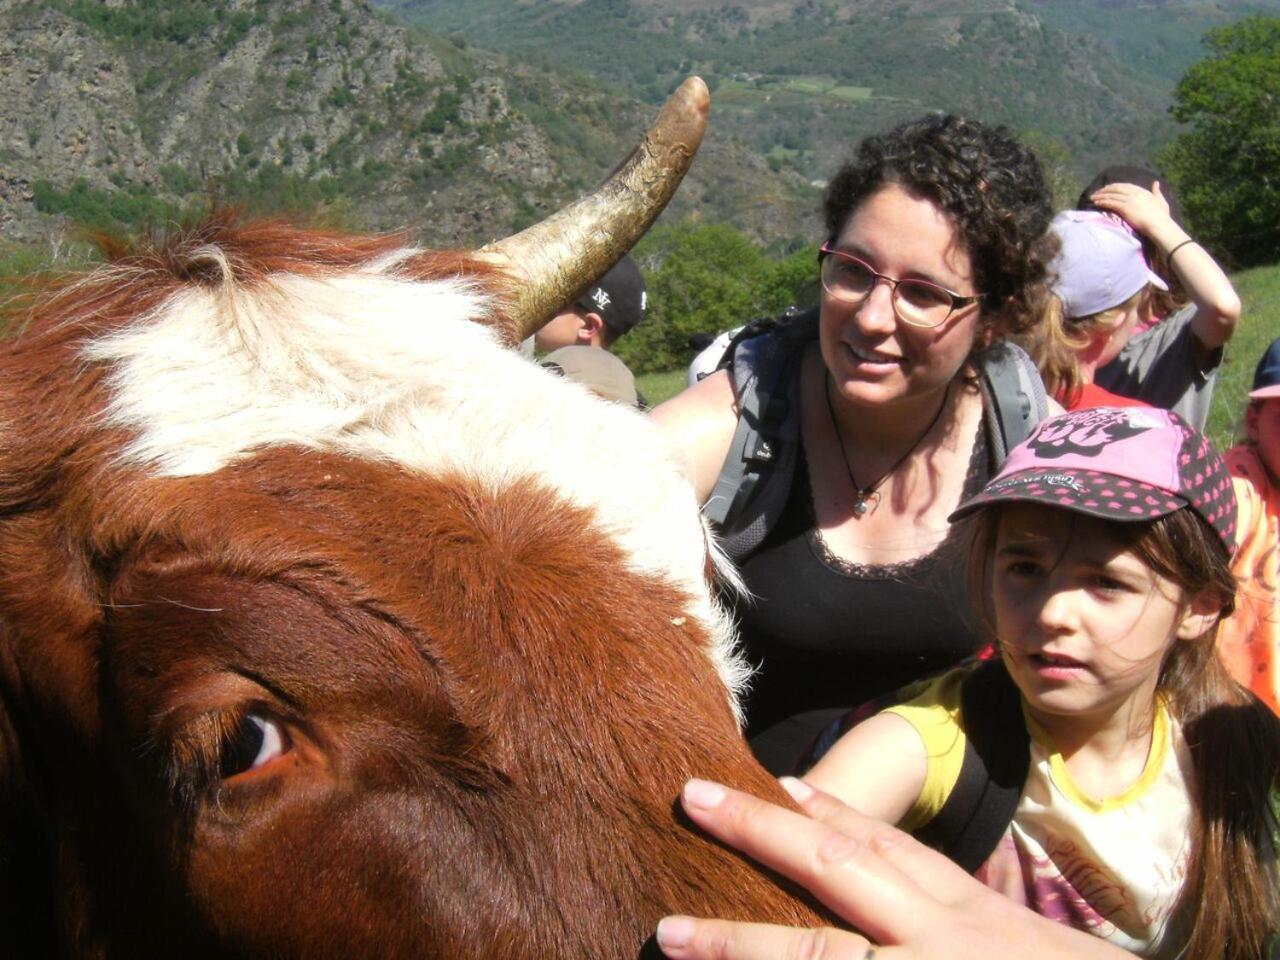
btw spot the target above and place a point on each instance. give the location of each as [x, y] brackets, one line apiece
[1090, 493]
[1265, 393]
[1156, 280]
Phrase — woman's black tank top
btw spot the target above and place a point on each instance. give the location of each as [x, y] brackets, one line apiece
[825, 635]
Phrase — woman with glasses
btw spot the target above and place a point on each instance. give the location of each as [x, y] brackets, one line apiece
[936, 245]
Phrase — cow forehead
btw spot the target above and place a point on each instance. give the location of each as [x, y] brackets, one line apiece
[376, 367]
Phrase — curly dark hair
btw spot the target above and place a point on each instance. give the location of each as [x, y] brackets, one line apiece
[989, 185]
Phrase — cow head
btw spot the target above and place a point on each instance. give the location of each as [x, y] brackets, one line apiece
[331, 627]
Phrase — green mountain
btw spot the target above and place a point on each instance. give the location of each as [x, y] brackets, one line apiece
[1156, 38]
[138, 110]
[802, 79]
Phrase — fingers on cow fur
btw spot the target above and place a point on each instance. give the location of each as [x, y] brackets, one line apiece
[852, 870]
[686, 938]
[829, 810]
[947, 883]
[785, 840]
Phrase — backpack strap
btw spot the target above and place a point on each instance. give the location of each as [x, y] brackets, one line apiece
[751, 491]
[749, 331]
[1015, 396]
[993, 773]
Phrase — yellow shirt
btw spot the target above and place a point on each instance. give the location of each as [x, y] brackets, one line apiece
[1112, 867]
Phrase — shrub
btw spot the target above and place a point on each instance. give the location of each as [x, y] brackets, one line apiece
[704, 279]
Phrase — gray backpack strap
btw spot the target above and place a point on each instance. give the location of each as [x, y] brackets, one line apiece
[1015, 396]
[752, 489]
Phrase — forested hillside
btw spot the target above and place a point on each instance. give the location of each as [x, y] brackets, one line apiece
[1159, 38]
[138, 110]
[135, 111]
[801, 79]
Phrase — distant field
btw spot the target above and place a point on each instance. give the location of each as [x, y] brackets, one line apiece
[851, 93]
[814, 86]
[1259, 289]
[20, 262]
[802, 85]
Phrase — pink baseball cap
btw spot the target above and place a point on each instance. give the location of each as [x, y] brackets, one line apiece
[1100, 265]
[1117, 463]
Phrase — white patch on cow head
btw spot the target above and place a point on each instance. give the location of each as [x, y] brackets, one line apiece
[378, 367]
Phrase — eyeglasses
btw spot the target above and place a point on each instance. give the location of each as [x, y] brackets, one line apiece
[916, 302]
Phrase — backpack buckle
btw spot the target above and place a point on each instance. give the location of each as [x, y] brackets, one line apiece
[763, 452]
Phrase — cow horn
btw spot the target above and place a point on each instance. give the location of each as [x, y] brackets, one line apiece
[553, 261]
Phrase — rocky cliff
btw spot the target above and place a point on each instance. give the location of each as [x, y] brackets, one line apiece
[132, 110]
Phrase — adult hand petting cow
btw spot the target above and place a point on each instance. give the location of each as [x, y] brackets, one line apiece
[912, 902]
[330, 627]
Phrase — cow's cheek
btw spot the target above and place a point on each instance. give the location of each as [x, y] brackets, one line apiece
[327, 871]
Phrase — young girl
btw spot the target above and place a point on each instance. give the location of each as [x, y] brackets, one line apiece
[1105, 290]
[1173, 364]
[1250, 638]
[1101, 564]
[1164, 303]
[1101, 292]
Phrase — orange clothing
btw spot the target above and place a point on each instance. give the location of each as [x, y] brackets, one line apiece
[1249, 640]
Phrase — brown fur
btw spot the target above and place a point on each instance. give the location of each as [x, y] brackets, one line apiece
[485, 751]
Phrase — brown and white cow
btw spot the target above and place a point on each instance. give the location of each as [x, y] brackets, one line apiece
[331, 627]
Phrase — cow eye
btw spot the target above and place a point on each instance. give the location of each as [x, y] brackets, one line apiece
[256, 741]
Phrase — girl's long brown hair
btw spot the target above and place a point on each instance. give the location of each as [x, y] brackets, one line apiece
[1229, 904]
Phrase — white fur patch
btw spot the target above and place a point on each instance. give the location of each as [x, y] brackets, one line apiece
[376, 367]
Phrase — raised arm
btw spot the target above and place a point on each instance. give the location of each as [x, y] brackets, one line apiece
[1217, 304]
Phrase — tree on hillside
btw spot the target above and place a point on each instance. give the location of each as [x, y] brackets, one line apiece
[704, 278]
[1226, 168]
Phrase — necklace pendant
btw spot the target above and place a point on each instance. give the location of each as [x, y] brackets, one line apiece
[867, 500]
[860, 507]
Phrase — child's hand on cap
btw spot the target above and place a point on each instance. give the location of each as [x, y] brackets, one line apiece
[1146, 211]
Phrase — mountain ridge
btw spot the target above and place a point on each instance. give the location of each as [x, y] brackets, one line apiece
[869, 64]
[139, 109]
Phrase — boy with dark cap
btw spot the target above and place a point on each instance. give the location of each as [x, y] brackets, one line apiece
[610, 307]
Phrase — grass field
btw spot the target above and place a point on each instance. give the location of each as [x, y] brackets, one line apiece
[20, 262]
[820, 87]
[815, 86]
[1259, 290]
[851, 93]
[657, 387]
